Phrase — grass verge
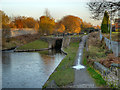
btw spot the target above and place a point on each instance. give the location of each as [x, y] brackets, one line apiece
[114, 36]
[37, 44]
[19, 40]
[94, 73]
[64, 74]
[9, 45]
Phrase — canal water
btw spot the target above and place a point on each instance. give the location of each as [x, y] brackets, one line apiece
[28, 70]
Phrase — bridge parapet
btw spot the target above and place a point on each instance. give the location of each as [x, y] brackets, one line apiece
[51, 40]
[65, 41]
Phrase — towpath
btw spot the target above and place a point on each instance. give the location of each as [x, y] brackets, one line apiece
[82, 77]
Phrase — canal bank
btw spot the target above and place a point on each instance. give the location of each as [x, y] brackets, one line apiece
[19, 40]
[71, 73]
[64, 73]
[32, 68]
[71, 50]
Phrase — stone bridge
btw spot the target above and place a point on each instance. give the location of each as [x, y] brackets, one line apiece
[60, 42]
[57, 43]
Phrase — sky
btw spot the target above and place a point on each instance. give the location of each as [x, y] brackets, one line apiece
[57, 8]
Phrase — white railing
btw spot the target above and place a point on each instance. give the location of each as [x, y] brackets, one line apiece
[113, 45]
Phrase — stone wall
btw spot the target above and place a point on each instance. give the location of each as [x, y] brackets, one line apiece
[111, 76]
[103, 70]
[66, 42]
[22, 32]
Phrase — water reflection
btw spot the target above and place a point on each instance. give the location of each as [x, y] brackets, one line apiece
[28, 70]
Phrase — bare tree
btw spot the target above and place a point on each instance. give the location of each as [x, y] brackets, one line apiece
[47, 13]
[98, 7]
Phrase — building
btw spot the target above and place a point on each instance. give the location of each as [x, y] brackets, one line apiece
[113, 28]
[117, 25]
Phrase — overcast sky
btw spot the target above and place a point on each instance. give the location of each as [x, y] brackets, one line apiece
[57, 8]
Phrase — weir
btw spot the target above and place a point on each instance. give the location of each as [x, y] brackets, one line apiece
[78, 66]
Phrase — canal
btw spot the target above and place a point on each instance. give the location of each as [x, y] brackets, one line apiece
[28, 70]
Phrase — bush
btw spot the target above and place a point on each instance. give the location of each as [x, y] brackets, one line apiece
[6, 33]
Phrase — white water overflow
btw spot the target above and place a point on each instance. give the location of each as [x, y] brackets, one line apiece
[79, 66]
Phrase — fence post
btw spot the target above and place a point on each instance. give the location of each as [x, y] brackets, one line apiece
[112, 45]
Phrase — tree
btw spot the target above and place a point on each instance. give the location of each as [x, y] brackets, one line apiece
[87, 25]
[5, 25]
[98, 7]
[30, 22]
[47, 13]
[18, 22]
[36, 26]
[46, 25]
[5, 18]
[6, 33]
[24, 22]
[71, 23]
[12, 25]
[105, 26]
[60, 28]
[98, 27]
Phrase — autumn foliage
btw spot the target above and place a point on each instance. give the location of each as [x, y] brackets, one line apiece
[46, 25]
[70, 24]
[24, 22]
[5, 28]
[60, 28]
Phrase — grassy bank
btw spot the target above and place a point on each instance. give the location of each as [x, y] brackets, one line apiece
[115, 36]
[9, 45]
[98, 52]
[19, 40]
[94, 73]
[64, 74]
[37, 44]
